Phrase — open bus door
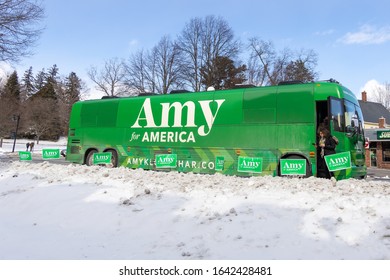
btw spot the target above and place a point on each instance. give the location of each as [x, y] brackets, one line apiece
[330, 115]
[346, 123]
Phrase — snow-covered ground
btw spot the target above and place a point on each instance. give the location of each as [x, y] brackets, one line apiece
[52, 211]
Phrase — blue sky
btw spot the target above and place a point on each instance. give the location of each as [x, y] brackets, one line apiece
[351, 38]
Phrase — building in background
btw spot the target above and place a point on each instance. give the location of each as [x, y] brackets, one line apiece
[377, 132]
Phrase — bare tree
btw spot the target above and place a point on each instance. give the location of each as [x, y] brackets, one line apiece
[110, 79]
[136, 72]
[191, 51]
[261, 59]
[302, 68]
[155, 71]
[165, 56]
[267, 67]
[19, 28]
[381, 94]
[201, 43]
[39, 118]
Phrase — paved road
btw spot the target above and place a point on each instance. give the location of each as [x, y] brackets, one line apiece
[378, 173]
[36, 158]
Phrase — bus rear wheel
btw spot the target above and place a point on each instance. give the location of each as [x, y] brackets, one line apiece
[89, 158]
[308, 167]
[114, 158]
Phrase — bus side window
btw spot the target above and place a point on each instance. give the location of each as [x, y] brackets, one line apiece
[337, 114]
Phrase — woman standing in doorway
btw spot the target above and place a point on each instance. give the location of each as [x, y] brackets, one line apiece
[326, 146]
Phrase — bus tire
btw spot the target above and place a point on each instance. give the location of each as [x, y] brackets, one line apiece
[89, 158]
[114, 157]
[308, 167]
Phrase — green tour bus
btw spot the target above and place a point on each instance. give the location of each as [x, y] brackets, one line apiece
[244, 131]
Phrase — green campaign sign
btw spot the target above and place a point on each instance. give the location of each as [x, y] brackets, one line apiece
[25, 156]
[102, 158]
[219, 163]
[338, 161]
[293, 167]
[50, 153]
[250, 164]
[166, 160]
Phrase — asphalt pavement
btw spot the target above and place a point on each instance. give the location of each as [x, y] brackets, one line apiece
[378, 173]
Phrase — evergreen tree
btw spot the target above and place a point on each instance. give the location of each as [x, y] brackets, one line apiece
[297, 71]
[222, 74]
[40, 80]
[42, 114]
[73, 87]
[9, 104]
[12, 88]
[69, 93]
[47, 91]
[53, 72]
[28, 82]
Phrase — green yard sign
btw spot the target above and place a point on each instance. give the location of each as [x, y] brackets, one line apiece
[293, 167]
[24, 156]
[50, 153]
[338, 161]
[166, 160]
[250, 164]
[219, 163]
[102, 158]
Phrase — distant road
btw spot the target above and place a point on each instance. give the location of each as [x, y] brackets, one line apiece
[36, 158]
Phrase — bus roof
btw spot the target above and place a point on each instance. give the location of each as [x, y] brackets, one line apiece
[321, 90]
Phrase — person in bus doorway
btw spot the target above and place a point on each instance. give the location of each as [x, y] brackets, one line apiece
[326, 146]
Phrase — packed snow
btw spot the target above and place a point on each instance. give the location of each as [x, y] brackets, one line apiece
[66, 211]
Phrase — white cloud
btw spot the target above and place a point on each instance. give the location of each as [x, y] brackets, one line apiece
[93, 93]
[367, 35]
[372, 87]
[325, 32]
[133, 43]
[5, 70]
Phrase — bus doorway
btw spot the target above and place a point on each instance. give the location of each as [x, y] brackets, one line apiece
[322, 121]
[322, 115]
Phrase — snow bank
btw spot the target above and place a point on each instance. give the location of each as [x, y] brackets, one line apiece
[51, 211]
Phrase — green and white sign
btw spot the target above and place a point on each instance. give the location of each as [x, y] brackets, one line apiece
[383, 134]
[50, 153]
[338, 161]
[102, 158]
[166, 160]
[219, 163]
[293, 167]
[250, 164]
[24, 156]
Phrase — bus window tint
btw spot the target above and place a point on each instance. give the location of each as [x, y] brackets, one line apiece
[361, 120]
[337, 115]
[351, 117]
